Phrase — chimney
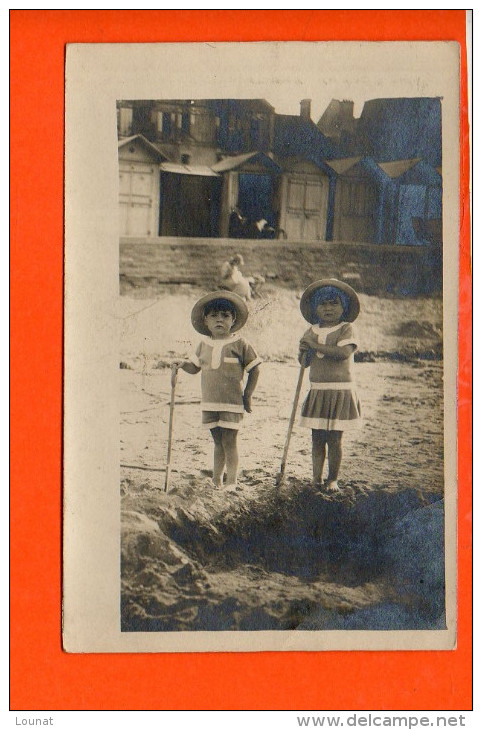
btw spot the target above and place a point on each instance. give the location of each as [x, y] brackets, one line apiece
[305, 109]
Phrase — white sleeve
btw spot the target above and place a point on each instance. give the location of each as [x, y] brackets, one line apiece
[250, 358]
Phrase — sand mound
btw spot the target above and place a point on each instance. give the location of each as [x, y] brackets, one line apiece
[417, 330]
[282, 559]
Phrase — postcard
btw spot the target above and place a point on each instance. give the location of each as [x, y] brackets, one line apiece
[261, 292]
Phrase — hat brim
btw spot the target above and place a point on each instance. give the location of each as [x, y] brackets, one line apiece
[197, 314]
[305, 302]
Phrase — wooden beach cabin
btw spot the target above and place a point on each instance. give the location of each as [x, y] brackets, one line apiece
[251, 182]
[358, 205]
[414, 204]
[189, 200]
[138, 186]
[304, 199]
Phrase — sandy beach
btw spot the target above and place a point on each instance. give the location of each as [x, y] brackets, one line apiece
[284, 557]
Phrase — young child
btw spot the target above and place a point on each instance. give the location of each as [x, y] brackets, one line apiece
[332, 405]
[223, 357]
[233, 278]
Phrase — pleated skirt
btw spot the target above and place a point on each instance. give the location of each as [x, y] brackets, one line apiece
[331, 407]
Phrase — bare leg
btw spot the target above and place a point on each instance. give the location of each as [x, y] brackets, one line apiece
[334, 459]
[318, 441]
[230, 446]
[219, 456]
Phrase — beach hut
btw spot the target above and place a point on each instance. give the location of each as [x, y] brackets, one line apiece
[251, 182]
[190, 198]
[138, 186]
[304, 199]
[358, 201]
[414, 209]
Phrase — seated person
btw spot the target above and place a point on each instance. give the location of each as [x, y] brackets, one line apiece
[237, 224]
[232, 277]
[259, 229]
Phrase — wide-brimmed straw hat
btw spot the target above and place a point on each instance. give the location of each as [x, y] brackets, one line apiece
[306, 303]
[197, 314]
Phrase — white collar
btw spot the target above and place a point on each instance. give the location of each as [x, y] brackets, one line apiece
[326, 330]
[220, 343]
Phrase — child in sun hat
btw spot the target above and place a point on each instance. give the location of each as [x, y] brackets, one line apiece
[223, 357]
[332, 405]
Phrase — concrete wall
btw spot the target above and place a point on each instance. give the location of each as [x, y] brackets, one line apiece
[370, 268]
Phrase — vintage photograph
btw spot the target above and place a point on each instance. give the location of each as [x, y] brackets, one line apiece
[261, 311]
[293, 266]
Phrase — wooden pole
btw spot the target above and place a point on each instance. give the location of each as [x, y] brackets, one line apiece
[282, 470]
[171, 424]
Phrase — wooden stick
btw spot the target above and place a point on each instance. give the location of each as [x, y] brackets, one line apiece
[281, 474]
[171, 425]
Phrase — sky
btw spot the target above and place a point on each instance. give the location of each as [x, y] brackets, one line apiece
[285, 73]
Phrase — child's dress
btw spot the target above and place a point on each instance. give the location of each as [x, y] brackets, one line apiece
[332, 403]
[223, 364]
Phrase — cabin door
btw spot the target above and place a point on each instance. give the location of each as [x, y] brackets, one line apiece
[411, 204]
[306, 208]
[256, 197]
[189, 205]
[355, 211]
[138, 187]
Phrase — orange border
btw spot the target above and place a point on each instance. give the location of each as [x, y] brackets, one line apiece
[42, 676]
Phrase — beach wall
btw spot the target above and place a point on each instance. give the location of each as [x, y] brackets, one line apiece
[373, 269]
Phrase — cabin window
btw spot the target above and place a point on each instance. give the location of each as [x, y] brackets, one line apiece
[203, 128]
[185, 122]
[166, 123]
[124, 121]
